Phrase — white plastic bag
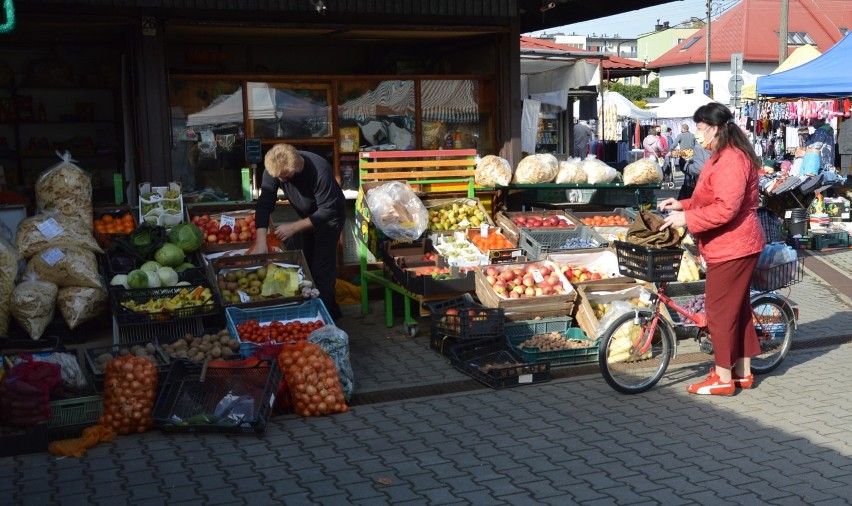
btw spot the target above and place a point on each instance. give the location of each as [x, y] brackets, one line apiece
[397, 211]
[492, 170]
[66, 188]
[570, 172]
[34, 304]
[540, 168]
[643, 171]
[597, 171]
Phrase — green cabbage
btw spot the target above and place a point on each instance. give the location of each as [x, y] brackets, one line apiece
[169, 255]
[150, 266]
[153, 279]
[119, 280]
[168, 276]
[137, 279]
[187, 237]
[184, 266]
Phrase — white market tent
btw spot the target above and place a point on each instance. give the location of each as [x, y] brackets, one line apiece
[681, 105]
[230, 108]
[624, 108]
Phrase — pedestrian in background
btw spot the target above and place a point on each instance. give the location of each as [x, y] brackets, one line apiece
[582, 139]
[669, 139]
[722, 215]
[652, 146]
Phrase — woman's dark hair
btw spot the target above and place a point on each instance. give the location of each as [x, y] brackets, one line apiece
[730, 134]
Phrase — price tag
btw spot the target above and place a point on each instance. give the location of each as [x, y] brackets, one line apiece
[537, 275]
[50, 228]
[244, 297]
[516, 253]
[483, 230]
[464, 223]
[788, 214]
[525, 378]
[154, 197]
[459, 235]
[645, 296]
[844, 216]
[52, 256]
[227, 220]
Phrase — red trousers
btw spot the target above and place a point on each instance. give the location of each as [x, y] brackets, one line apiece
[729, 310]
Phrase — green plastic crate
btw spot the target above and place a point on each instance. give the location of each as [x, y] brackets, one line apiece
[518, 332]
[69, 417]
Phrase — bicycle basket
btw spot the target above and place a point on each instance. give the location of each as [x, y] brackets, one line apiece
[648, 264]
[778, 276]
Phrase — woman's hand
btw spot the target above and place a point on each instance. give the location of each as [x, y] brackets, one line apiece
[675, 219]
[286, 231]
[670, 204]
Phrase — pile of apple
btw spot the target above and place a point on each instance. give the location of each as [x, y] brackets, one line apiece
[536, 221]
[580, 273]
[518, 281]
[244, 229]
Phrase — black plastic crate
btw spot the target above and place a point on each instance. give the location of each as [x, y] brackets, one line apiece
[98, 374]
[648, 264]
[126, 316]
[495, 365]
[779, 276]
[463, 318]
[189, 402]
[444, 345]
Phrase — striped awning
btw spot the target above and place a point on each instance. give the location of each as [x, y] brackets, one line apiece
[451, 101]
[390, 98]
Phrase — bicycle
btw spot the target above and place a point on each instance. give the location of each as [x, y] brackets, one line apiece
[637, 347]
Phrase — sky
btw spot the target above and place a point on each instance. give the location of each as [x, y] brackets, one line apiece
[634, 23]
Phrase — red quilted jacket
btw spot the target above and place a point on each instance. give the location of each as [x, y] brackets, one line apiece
[722, 213]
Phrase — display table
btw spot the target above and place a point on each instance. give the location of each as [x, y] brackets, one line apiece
[605, 187]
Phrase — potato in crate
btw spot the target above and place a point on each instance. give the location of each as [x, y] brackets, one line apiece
[551, 340]
[98, 357]
[311, 313]
[463, 318]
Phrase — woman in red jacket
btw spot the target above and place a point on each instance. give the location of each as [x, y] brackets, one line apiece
[722, 215]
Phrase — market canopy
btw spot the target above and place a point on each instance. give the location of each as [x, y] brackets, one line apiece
[229, 108]
[624, 108]
[548, 74]
[826, 76]
[682, 105]
[802, 54]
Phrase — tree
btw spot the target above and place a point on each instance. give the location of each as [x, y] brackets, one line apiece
[637, 94]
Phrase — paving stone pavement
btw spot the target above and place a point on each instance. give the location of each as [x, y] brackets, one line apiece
[570, 440]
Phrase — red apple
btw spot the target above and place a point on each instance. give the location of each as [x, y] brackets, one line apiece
[508, 275]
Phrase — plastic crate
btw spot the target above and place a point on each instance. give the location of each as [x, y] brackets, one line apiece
[444, 345]
[779, 276]
[125, 316]
[310, 310]
[69, 417]
[98, 374]
[190, 403]
[495, 365]
[571, 356]
[171, 329]
[828, 240]
[472, 321]
[648, 264]
[536, 244]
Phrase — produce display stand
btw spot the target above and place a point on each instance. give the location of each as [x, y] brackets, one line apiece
[637, 191]
[435, 171]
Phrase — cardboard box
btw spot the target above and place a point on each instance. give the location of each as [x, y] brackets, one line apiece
[838, 207]
[224, 214]
[407, 267]
[432, 204]
[502, 255]
[604, 293]
[254, 262]
[545, 305]
[601, 260]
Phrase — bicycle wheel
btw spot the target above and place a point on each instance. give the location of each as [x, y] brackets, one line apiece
[623, 365]
[774, 324]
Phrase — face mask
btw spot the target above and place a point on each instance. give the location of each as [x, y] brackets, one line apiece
[699, 138]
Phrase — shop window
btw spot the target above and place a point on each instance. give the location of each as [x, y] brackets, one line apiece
[289, 110]
[376, 114]
[453, 114]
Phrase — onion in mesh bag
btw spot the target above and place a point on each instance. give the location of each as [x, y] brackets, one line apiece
[540, 168]
[53, 229]
[66, 266]
[570, 172]
[66, 188]
[79, 304]
[643, 171]
[34, 304]
[493, 170]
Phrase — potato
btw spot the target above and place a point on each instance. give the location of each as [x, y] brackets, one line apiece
[180, 354]
[150, 349]
[199, 357]
[223, 340]
[234, 345]
[224, 333]
[227, 353]
[103, 358]
[216, 352]
[188, 338]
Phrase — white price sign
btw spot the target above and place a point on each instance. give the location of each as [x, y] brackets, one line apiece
[483, 230]
[536, 274]
[227, 220]
[52, 256]
[459, 235]
[244, 297]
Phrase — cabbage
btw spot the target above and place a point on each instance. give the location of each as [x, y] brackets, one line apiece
[169, 255]
[119, 280]
[150, 266]
[137, 279]
[187, 237]
[153, 279]
[183, 283]
[168, 276]
[184, 266]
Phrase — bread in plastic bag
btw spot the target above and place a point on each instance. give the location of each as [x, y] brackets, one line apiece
[66, 188]
[492, 170]
[66, 266]
[570, 172]
[643, 171]
[8, 275]
[53, 229]
[540, 168]
[34, 304]
[597, 172]
[335, 342]
[79, 304]
[397, 211]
